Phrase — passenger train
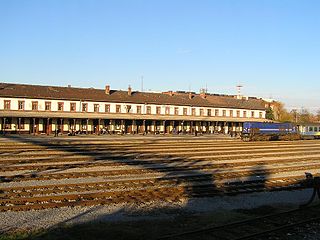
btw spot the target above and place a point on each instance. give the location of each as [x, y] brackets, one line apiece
[255, 131]
[311, 130]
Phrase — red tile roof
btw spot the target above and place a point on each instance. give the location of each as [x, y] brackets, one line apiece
[99, 95]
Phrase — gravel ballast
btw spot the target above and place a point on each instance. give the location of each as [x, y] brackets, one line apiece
[44, 219]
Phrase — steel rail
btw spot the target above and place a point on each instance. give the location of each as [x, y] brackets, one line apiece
[214, 230]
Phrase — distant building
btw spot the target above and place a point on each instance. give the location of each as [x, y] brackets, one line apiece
[275, 106]
[47, 109]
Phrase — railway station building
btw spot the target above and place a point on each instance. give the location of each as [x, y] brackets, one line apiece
[35, 109]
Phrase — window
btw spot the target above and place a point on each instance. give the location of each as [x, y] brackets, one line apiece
[20, 105]
[60, 106]
[216, 112]
[35, 106]
[72, 107]
[84, 107]
[193, 111]
[139, 109]
[118, 108]
[176, 111]
[107, 108]
[158, 110]
[209, 112]
[224, 113]
[310, 129]
[244, 114]
[231, 113]
[96, 107]
[260, 114]
[128, 108]
[238, 113]
[7, 104]
[185, 111]
[148, 110]
[167, 110]
[315, 129]
[252, 114]
[47, 106]
[201, 111]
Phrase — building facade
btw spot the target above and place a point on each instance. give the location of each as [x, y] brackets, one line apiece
[37, 109]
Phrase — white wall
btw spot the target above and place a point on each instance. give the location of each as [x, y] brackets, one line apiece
[66, 108]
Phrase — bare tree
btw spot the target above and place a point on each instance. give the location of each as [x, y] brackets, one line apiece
[317, 117]
[305, 116]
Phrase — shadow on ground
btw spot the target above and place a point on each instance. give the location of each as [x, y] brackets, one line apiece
[141, 220]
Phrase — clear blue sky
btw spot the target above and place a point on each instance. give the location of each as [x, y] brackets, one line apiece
[271, 47]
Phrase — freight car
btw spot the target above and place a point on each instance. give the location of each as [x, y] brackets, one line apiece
[255, 131]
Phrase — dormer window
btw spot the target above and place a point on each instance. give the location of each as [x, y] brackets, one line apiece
[244, 114]
[20, 105]
[60, 106]
[118, 108]
[7, 104]
[84, 107]
[47, 106]
[224, 113]
[158, 110]
[128, 108]
[167, 110]
[185, 111]
[107, 108]
[138, 109]
[96, 107]
[72, 107]
[35, 105]
[176, 111]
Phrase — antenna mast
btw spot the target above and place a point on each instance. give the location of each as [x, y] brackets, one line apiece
[239, 86]
[142, 83]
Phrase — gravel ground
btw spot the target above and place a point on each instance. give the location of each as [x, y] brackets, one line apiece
[139, 177]
[43, 219]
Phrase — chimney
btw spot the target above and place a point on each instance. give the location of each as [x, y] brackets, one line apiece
[129, 90]
[170, 93]
[202, 93]
[107, 90]
[190, 95]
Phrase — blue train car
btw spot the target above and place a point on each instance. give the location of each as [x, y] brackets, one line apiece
[252, 129]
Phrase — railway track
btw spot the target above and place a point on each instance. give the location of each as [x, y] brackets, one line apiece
[21, 201]
[261, 227]
[41, 173]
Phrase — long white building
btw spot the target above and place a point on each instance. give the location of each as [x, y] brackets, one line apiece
[46, 109]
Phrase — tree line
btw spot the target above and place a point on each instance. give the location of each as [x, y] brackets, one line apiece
[278, 112]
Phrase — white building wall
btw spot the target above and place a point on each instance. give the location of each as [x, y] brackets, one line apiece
[66, 107]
